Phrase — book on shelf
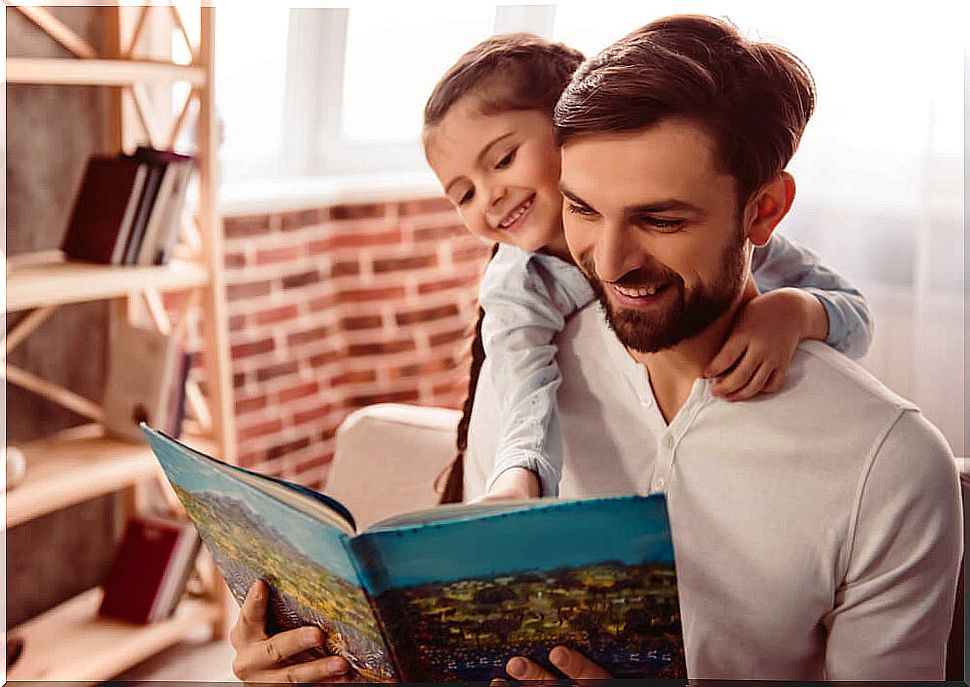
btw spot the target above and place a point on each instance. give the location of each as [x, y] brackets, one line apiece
[446, 593]
[145, 382]
[104, 209]
[150, 569]
[128, 208]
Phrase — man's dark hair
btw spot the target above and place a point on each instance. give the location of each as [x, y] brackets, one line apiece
[753, 98]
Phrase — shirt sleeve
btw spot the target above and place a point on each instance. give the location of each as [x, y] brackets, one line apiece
[781, 263]
[893, 610]
[527, 298]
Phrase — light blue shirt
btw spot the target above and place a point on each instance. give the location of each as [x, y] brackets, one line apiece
[527, 298]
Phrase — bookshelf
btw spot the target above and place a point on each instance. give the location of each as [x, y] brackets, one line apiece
[70, 641]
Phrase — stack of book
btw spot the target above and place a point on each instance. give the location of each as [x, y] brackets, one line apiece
[128, 208]
[147, 371]
[150, 570]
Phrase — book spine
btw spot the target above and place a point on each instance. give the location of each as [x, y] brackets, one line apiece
[372, 573]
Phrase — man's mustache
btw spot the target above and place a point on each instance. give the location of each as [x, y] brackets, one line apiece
[640, 276]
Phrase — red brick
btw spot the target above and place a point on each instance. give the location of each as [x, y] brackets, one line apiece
[424, 206]
[293, 281]
[278, 314]
[244, 227]
[354, 377]
[412, 262]
[329, 433]
[234, 260]
[323, 302]
[326, 357]
[450, 336]
[420, 369]
[439, 233]
[344, 269]
[250, 459]
[307, 336]
[299, 391]
[259, 430]
[237, 322]
[248, 405]
[361, 211]
[378, 294]
[428, 315]
[406, 396]
[451, 283]
[475, 251]
[239, 380]
[312, 414]
[301, 218]
[281, 450]
[278, 254]
[245, 350]
[319, 246]
[312, 463]
[389, 237]
[384, 347]
[253, 289]
[278, 370]
[352, 324]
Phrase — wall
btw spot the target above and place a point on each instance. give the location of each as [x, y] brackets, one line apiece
[334, 308]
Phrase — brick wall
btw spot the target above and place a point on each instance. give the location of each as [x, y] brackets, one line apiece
[335, 308]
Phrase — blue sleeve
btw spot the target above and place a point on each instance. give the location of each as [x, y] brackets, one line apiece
[527, 298]
[781, 263]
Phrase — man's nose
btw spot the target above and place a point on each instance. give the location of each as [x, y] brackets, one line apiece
[616, 252]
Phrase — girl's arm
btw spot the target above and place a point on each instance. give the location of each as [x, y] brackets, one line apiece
[781, 263]
[800, 299]
[526, 298]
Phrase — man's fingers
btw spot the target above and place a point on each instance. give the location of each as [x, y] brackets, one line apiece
[754, 385]
[573, 664]
[524, 669]
[251, 625]
[727, 357]
[273, 653]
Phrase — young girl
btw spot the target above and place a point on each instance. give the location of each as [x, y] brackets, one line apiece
[488, 137]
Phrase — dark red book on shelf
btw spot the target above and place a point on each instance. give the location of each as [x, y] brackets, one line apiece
[149, 559]
[105, 209]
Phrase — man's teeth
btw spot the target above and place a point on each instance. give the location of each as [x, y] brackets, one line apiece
[639, 292]
[518, 212]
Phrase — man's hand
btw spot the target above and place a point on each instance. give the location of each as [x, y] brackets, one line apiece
[260, 658]
[515, 484]
[759, 349]
[572, 664]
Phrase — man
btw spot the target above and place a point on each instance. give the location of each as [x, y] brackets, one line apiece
[817, 531]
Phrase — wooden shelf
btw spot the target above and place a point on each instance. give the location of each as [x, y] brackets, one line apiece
[45, 278]
[82, 72]
[71, 643]
[77, 465]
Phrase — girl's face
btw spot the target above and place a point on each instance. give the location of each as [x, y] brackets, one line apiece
[502, 173]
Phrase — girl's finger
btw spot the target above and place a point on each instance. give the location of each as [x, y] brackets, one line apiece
[729, 355]
[754, 385]
[737, 378]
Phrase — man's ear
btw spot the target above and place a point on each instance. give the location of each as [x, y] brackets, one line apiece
[767, 207]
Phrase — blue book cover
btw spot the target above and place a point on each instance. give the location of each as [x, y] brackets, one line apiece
[449, 593]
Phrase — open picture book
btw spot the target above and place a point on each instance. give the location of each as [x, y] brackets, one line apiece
[446, 593]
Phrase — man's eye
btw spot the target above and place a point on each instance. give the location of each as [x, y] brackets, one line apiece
[574, 209]
[507, 160]
[661, 224]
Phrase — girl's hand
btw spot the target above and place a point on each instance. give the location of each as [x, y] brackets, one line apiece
[515, 484]
[759, 349]
[260, 658]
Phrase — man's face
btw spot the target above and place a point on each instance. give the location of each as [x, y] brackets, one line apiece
[501, 171]
[655, 226]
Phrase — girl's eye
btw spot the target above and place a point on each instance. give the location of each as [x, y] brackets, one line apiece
[507, 160]
[466, 197]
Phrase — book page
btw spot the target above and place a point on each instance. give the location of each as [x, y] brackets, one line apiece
[253, 533]
[459, 597]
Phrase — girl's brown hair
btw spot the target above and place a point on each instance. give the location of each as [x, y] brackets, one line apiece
[513, 71]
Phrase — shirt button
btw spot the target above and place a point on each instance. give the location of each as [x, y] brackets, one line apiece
[659, 483]
[668, 442]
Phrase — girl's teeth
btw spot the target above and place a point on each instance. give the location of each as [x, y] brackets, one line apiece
[518, 213]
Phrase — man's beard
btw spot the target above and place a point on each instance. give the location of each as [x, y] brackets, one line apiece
[690, 313]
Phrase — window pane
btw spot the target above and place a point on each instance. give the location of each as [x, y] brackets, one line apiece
[395, 54]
